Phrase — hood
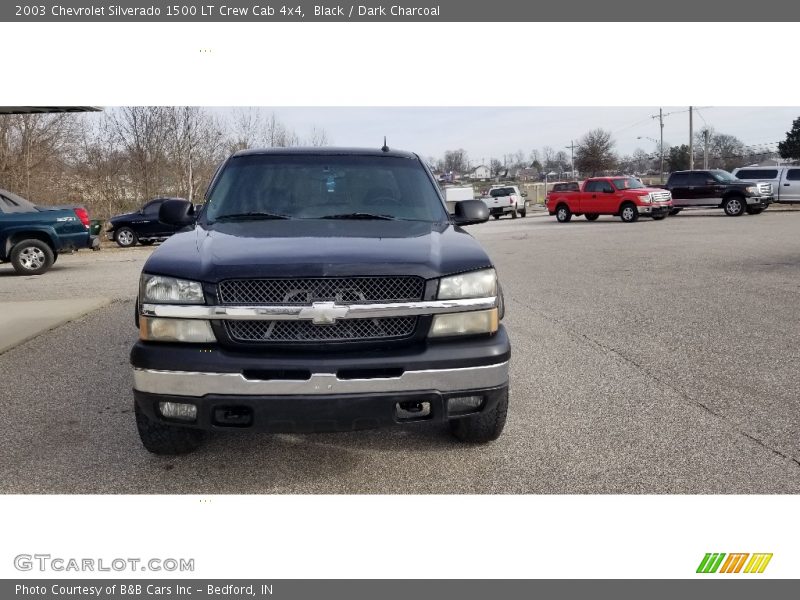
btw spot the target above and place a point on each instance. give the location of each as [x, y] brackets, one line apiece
[124, 216]
[317, 248]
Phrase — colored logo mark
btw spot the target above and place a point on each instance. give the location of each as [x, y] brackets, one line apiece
[719, 562]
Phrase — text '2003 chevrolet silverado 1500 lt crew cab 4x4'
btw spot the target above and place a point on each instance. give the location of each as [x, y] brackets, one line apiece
[625, 197]
[319, 290]
[32, 237]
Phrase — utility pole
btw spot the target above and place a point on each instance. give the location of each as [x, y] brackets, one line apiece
[661, 143]
[691, 140]
[706, 133]
[572, 157]
[660, 118]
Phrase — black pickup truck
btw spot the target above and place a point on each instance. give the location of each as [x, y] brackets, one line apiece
[32, 237]
[319, 290]
[716, 188]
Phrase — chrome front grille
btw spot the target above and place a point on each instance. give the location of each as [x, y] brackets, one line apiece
[343, 290]
[346, 330]
[305, 292]
[765, 189]
[661, 196]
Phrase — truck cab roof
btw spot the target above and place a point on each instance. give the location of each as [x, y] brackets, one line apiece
[327, 150]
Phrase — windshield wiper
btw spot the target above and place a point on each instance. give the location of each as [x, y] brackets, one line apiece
[360, 215]
[252, 216]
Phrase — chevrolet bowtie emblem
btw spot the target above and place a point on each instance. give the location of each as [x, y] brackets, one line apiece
[323, 313]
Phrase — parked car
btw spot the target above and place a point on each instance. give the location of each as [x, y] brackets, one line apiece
[32, 237]
[506, 199]
[716, 188]
[319, 289]
[625, 197]
[785, 181]
[141, 226]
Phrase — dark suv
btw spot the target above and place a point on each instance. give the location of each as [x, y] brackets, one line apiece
[720, 189]
[319, 290]
[141, 226]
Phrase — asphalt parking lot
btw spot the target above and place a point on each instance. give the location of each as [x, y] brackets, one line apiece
[654, 357]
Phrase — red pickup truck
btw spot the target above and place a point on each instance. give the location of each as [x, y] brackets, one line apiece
[626, 197]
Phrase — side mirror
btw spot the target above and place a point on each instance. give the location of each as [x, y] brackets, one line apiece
[471, 212]
[178, 213]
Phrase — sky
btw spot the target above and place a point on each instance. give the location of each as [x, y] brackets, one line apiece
[491, 132]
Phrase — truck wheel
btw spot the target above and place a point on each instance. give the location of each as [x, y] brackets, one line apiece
[167, 439]
[592, 216]
[734, 206]
[514, 212]
[523, 213]
[126, 237]
[754, 210]
[483, 427]
[628, 213]
[146, 242]
[674, 211]
[31, 257]
[659, 217]
[563, 214]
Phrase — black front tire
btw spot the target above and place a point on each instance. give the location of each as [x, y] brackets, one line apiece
[674, 211]
[126, 237]
[563, 214]
[754, 210]
[659, 217]
[167, 440]
[32, 257]
[629, 213]
[147, 242]
[514, 213]
[734, 206]
[592, 216]
[523, 213]
[483, 427]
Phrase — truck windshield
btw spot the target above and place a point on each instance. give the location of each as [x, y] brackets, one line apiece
[324, 186]
[628, 183]
[722, 176]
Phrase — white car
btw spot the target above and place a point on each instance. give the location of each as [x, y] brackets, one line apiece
[506, 199]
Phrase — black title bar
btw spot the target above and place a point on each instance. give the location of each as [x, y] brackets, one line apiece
[244, 11]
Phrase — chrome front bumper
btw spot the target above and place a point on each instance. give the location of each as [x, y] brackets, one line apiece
[197, 384]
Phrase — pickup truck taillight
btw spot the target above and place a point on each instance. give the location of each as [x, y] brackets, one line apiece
[83, 216]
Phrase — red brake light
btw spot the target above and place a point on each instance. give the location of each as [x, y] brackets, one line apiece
[83, 216]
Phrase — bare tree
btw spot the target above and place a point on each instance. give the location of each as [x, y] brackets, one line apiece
[318, 137]
[595, 153]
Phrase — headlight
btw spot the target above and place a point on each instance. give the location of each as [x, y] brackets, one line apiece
[193, 331]
[477, 284]
[647, 198]
[752, 189]
[160, 289]
[467, 323]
